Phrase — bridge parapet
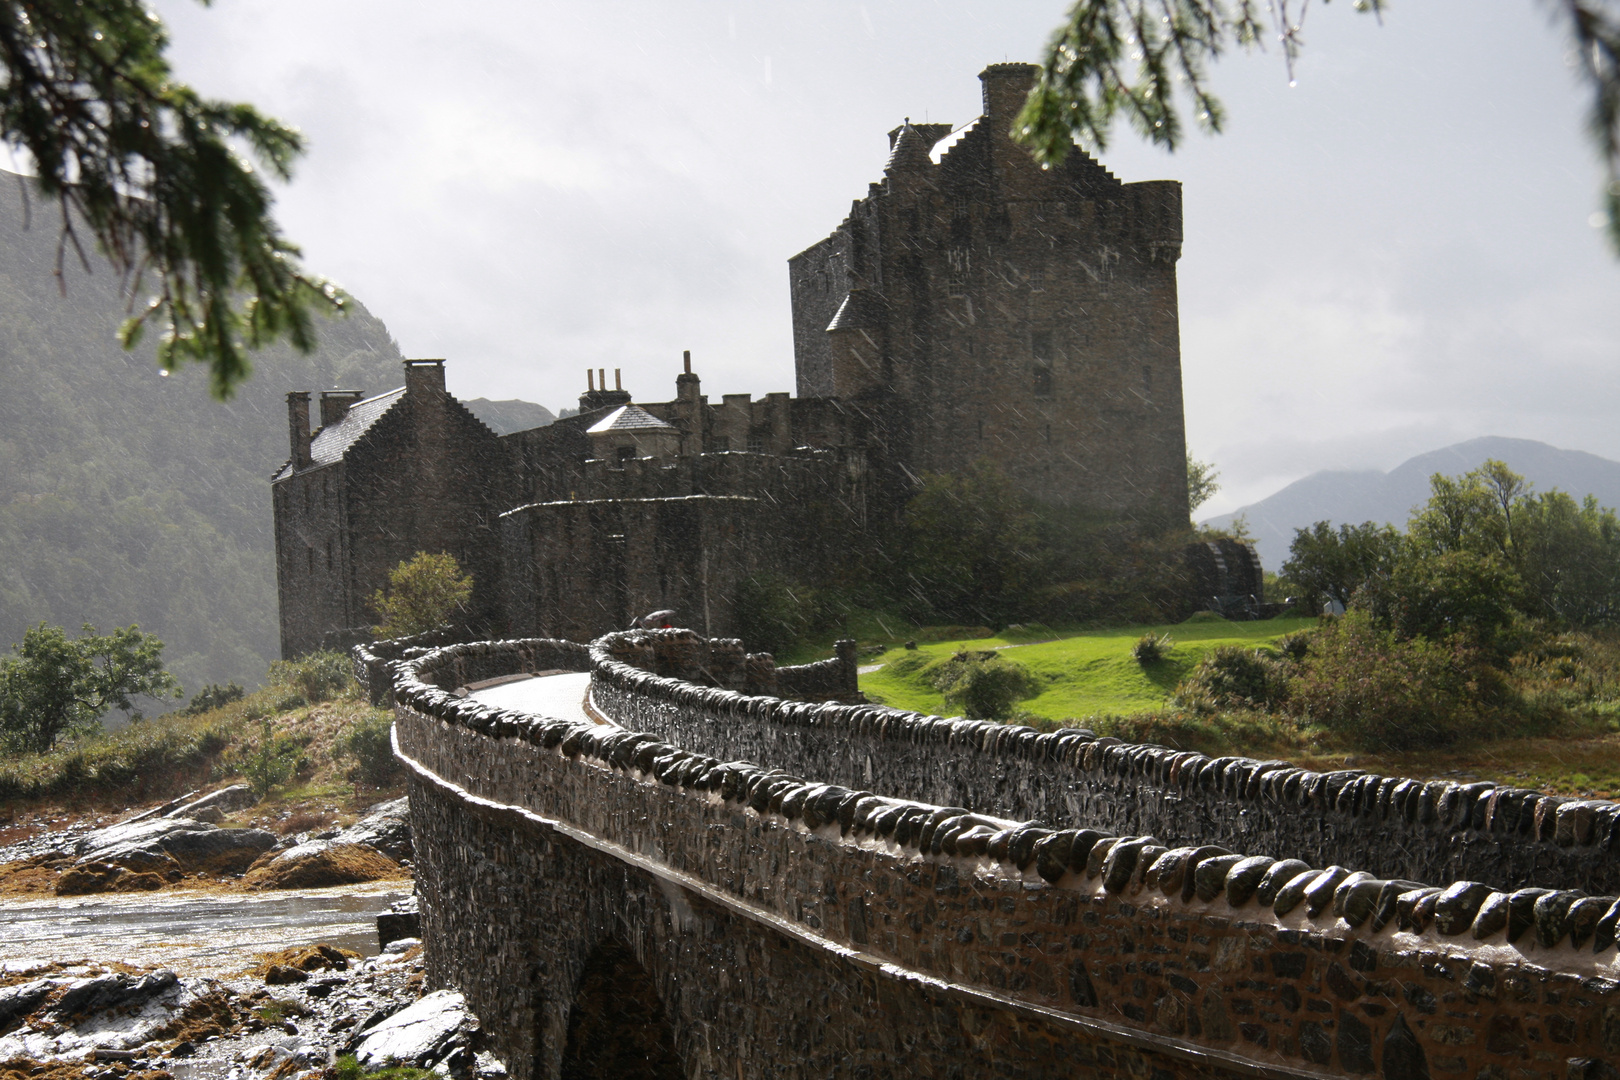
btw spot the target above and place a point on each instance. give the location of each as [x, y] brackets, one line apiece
[1395, 827]
[1045, 947]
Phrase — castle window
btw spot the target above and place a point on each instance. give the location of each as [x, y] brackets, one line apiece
[626, 453]
[1037, 279]
[1040, 346]
[719, 444]
[959, 207]
[1043, 380]
[756, 443]
[958, 283]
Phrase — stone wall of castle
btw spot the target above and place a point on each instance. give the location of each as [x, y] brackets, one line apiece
[995, 310]
[777, 924]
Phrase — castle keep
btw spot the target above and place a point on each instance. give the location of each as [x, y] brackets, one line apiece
[973, 306]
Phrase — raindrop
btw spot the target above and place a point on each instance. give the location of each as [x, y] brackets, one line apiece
[1292, 83]
[164, 373]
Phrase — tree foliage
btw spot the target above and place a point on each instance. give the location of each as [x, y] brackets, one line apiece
[148, 168]
[972, 548]
[1203, 482]
[1334, 564]
[55, 686]
[1140, 59]
[424, 593]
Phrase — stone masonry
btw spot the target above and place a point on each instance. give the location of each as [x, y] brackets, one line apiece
[761, 922]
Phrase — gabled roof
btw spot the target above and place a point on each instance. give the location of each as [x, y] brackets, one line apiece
[333, 441]
[629, 418]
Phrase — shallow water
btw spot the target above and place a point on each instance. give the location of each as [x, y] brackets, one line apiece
[196, 933]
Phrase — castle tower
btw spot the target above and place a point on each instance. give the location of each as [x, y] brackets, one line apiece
[978, 307]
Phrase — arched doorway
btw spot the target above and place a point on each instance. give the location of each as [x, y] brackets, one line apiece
[617, 1028]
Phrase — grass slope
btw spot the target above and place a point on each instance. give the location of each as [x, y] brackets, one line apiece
[1087, 674]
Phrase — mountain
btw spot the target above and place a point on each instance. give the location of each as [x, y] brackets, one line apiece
[127, 496]
[1356, 496]
[505, 417]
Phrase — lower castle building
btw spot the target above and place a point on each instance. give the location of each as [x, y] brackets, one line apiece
[972, 307]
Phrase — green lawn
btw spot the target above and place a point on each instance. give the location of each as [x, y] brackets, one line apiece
[1084, 674]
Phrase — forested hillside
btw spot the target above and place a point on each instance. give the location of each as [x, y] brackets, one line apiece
[126, 496]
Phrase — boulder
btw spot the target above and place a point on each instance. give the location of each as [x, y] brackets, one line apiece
[319, 863]
[99, 877]
[436, 1030]
[116, 991]
[16, 1002]
[386, 827]
[223, 801]
[159, 844]
[401, 920]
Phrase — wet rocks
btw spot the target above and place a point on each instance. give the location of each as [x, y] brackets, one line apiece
[401, 920]
[161, 844]
[434, 1031]
[386, 827]
[319, 863]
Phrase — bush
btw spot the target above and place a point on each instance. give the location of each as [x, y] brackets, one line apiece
[1150, 649]
[424, 593]
[272, 762]
[1230, 676]
[1379, 692]
[983, 685]
[366, 742]
[214, 696]
[317, 677]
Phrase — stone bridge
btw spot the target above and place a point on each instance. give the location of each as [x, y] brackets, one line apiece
[696, 877]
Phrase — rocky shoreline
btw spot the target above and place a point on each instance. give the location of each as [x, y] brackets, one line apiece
[293, 1012]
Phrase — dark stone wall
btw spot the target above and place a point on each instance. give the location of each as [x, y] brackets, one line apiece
[1436, 831]
[1010, 313]
[792, 928]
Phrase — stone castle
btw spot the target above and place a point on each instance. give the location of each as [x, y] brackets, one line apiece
[973, 306]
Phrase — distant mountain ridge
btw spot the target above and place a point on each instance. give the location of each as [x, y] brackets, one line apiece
[509, 415]
[1343, 496]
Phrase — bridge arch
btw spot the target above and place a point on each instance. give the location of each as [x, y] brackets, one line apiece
[618, 1028]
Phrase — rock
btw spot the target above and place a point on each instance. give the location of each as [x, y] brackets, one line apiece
[158, 844]
[434, 1029]
[401, 920]
[18, 1001]
[304, 959]
[386, 827]
[319, 863]
[111, 992]
[226, 799]
[282, 975]
[401, 945]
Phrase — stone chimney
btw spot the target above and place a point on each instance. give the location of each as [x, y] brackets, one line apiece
[335, 403]
[687, 385]
[298, 427]
[1006, 86]
[600, 397]
[424, 376]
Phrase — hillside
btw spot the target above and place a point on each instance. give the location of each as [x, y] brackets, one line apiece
[1354, 497]
[126, 496]
[509, 415]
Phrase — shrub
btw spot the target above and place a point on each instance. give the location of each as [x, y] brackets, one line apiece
[272, 762]
[1231, 676]
[317, 677]
[983, 685]
[1150, 649]
[423, 594]
[1295, 646]
[214, 696]
[366, 743]
[1379, 692]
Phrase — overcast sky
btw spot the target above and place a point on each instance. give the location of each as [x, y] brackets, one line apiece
[1393, 255]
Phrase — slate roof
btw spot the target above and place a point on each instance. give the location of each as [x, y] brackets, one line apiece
[629, 418]
[332, 442]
